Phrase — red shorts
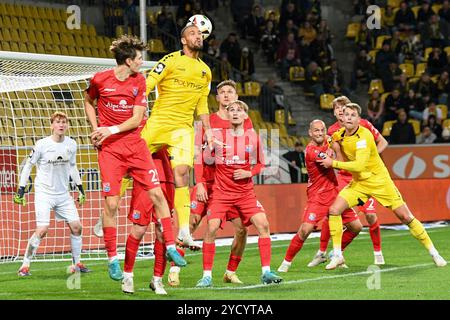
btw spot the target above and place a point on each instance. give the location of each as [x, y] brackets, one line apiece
[247, 206]
[199, 207]
[314, 213]
[126, 157]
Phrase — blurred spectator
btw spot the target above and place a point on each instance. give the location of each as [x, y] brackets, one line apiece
[362, 69]
[334, 80]
[308, 32]
[426, 136]
[389, 18]
[434, 126]
[297, 165]
[411, 49]
[416, 111]
[375, 110]
[184, 10]
[289, 12]
[224, 71]
[383, 58]
[213, 48]
[246, 66]
[443, 87]
[314, 79]
[285, 45]
[130, 17]
[364, 38]
[391, 76]
[270, 94]
[231, 47]
[325, 30]
[269, 42]
[290, 27]
[402, 131]
[393, 104]
[445, 136]
[402, 83]
[432, 109]
[444, 12]
[425, 87]
[437, 61]
[241, 10]
[434, 33]
[306, 53]
[290, 60]
[396, 43]
[404, 18]
[322, 52]
[197, 8]
[424, 14]
[255, 22]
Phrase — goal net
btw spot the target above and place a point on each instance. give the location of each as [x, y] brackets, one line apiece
[32, 87]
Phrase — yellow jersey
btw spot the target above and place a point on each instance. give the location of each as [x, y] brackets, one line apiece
[360, 149]
[183, 85]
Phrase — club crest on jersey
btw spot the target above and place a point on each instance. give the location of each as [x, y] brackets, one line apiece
[106, 187]
[135, 92]
[203, 73]
[312, 217]
[258, 204]
[194, 205]
[136, 214]
[248, 148]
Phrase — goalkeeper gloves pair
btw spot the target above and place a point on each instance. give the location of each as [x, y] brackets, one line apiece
[19, 197]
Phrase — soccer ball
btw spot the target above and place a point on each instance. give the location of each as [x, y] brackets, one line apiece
[203, 23]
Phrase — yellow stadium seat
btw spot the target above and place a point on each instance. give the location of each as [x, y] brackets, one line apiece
[23, 23]
[353, 29]
[384, 96]
[38, 24]
[93, 41]
[372, 54]
[79, 40]
[156, 46]
[447, 51]
[376, 84]
[31, 47]
[14, 23]
[6, 34]
[6, 46]
[296, 74]
[14, 46]
[64, 50]
[326, 101]
[387, 127]
[46, 25]
[95, 52]
[72, 51]
[23, 47]
[436, 7]
[444, 110]
[415, 10]
[239, 90]
[380, 40]
[394, 3]
[15, 35]
[92, 31]
[446, 124]
[40, 48]
[420, 68]
[427, 53]
[416, 125]
[408, 69]
[252, 88]
[55, 38]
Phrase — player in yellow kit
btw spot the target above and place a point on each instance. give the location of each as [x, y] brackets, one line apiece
[182, 81]
[370, 177]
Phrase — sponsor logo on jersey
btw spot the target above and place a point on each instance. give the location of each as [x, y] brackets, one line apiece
[258, 204]
[194, 205]
[159, 68]
[312, 217]
[59, 161]
[203, 73]
[106, 187]
[136, 214]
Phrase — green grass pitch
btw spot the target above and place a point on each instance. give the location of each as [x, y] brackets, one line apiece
[409, 273]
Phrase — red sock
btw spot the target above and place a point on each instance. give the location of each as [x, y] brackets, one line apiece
[233, 262]
[209, 250]
[181, 252]
[294, 247]
[167, 231]
[324, 235]
[131, 250]
[110, 238]
[347, 238]
[265, 251]
[160, 259]
[375, 234]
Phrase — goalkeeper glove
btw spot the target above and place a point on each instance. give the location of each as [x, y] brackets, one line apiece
[81, 195]
[19, 197]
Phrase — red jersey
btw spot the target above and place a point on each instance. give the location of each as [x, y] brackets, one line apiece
[116, 100]
[322, 182]
[204, 172]
[239, 153]
[366, 124]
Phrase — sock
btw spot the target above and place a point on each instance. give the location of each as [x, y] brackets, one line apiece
[110, 238]
[347, 238]
[209, 250]
[32, 246]
[265, 252]
[324, 235]
[167, 231]
[157, 279]
[418, 231]
[375, 235]
[131, 250]
[160, 259]
[233, 263]
[183, 208]
[294, 247]
[76, 244]
[128, 274]
[181, 252]
[207, 273]
[335, 223]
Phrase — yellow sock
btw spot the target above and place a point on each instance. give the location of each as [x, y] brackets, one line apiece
[418, 231]
[183, 208]
[126, 182]
[335, 223]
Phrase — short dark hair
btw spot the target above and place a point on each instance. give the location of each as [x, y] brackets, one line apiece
[298, 144]
[125, 47]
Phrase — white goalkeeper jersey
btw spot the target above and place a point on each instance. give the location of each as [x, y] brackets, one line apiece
[54, 162]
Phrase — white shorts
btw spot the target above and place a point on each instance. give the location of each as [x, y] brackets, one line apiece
[62, 204]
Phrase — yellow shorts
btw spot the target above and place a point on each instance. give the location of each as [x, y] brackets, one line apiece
[179, 142]
[357, 193]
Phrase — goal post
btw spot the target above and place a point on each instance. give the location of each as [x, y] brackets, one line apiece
[32, 87]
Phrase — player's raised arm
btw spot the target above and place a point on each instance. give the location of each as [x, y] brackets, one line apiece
[25, 174]
[158, 72]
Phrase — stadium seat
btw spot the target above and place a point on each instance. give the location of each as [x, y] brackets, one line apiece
[447, 51]
[95, 53]
[23, 23]
[296, 74]
[31, 47]
[15, 35]
[15, 23]
[252, 88]
[408, 69]
[283, 131]
[239, 90]
[55, 38]
[416, 126]
[64, 50]
[92, 31]
[384, 96]
[380, 40]
[446, 124]
[353, 29]
[14, 46]
[326, 101]
[427, 53]
[279, 117]
[376, 84]
[444, 110]
[23, 47]
[394, 3]
[46, 25]
[420, 68]
[255, 115]
[415, 10]
[5, 46]
[372, 54]
[156, 46]
[387, 127]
